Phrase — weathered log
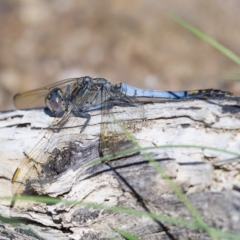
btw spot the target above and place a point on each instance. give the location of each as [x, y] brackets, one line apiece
[210, 179]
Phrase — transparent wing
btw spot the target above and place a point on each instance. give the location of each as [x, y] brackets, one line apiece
[32, 166]
[36, 98]
[122, 117]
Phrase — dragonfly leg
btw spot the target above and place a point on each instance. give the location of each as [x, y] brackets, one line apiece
[67, 95]
[83, 115]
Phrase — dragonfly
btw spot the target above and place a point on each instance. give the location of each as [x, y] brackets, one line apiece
[78, 97]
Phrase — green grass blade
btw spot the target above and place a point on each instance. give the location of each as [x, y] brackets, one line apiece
[125, 234]
[173, 186]
[198, 218]
[176, 221]
[206, 38]
[105, 158]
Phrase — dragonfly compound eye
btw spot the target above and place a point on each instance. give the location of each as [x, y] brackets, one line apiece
[55, 101]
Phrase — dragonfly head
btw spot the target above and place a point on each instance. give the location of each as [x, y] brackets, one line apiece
[55, 101]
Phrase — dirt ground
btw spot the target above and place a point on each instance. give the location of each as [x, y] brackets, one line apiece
[135, 42]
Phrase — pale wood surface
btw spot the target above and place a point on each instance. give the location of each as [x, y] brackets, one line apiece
[211, 183]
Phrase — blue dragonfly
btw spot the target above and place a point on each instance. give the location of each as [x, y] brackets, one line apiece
[79, 97]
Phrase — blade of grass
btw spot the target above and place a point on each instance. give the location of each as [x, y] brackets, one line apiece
[206, 38]
[108, 157]
[52, 200]
[125, 234]
[173, 186]
[171, 220]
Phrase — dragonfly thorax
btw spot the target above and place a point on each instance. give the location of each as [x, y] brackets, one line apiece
[55, 101]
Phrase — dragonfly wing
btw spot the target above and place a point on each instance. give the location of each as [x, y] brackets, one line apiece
[36, 98]
[59, 133]
[38, 161]
[32, 99]
[120, 119]
[27, 170]
[31, 167]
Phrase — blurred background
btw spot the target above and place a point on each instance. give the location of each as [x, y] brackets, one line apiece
[135, 42]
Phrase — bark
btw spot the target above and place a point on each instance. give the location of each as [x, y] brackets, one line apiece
[210, 179]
